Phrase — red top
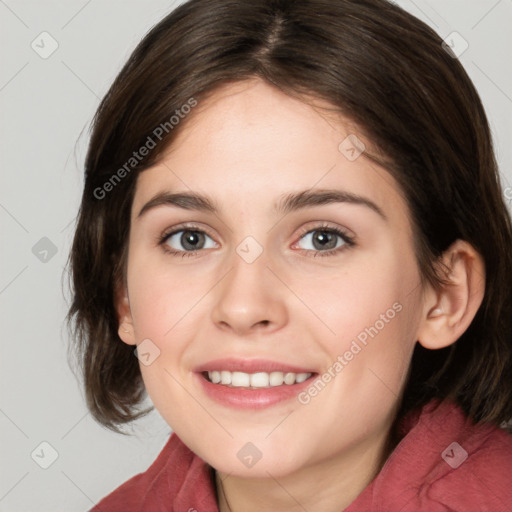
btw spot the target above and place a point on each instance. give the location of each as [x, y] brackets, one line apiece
[443, 464]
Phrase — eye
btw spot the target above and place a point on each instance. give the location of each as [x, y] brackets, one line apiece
[186, 242]
[325, 241]
[189, 241]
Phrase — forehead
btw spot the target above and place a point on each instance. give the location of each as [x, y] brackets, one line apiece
[249, 140]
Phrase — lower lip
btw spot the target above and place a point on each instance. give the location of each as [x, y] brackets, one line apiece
[243, 398]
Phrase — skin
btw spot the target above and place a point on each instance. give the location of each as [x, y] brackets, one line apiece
[287, 305]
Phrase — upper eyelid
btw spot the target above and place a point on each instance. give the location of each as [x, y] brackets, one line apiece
[327, 226]
[184, 227]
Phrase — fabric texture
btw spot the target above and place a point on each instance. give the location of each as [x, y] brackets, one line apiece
[443, 463]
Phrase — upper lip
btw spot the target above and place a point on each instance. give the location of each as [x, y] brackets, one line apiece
[250, 366]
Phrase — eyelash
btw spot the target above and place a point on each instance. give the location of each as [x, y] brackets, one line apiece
[348, 240]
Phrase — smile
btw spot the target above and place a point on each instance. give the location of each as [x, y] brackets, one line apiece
[252, 384]
[255, 380]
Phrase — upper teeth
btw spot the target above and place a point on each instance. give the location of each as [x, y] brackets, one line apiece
[256, 380]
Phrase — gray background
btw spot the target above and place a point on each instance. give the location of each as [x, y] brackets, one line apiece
[46, 105]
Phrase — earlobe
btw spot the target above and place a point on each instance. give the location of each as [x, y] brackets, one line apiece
[126, 333]
[449, 311]
[125, 330]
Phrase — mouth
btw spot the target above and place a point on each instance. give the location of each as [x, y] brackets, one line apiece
[250, 384]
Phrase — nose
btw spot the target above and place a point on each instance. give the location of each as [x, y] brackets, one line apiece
[250, 299]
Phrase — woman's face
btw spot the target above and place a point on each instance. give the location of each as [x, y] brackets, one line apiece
[254, 281]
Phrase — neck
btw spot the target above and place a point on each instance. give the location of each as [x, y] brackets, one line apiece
[328, 486]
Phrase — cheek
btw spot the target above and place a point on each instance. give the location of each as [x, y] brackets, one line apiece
[162, 303]
[363, 298]
[161, 297]
[370, 310]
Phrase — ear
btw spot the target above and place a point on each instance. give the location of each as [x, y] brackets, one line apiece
[124, 316]
[449, 311]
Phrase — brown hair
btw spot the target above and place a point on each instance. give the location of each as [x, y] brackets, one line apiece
[381, 68]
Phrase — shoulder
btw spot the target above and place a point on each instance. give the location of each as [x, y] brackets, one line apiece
[474, 470]
[164, 482]
[445, 463]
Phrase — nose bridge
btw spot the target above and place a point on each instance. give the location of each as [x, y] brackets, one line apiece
[246, 298]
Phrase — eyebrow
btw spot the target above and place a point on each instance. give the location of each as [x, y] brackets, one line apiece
[287, 203]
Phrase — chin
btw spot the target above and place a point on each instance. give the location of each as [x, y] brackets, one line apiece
[250, 460]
